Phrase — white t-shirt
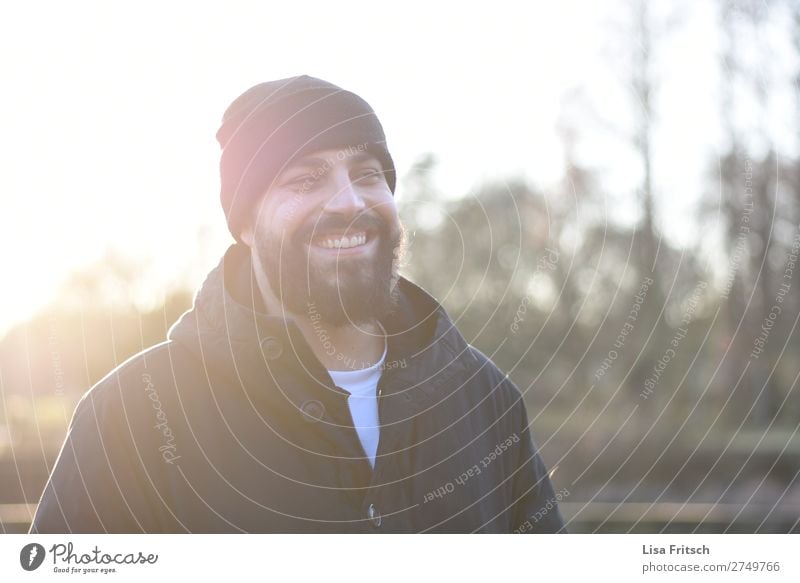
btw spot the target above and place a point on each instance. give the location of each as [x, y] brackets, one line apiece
[362, 384]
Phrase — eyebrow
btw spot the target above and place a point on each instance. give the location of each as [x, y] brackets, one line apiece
[312, 161]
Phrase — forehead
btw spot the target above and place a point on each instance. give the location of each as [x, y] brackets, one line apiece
[333, 156]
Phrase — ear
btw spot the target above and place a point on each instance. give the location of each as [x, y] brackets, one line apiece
[248, 223]
[246, 234]
[247, 227]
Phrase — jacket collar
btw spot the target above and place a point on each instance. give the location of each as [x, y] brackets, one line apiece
[228, 330]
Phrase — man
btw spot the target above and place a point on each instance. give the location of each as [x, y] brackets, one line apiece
[310, 388]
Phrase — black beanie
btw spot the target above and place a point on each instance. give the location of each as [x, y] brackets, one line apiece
[273, 123]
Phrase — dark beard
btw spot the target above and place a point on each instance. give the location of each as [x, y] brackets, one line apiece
[349, 291]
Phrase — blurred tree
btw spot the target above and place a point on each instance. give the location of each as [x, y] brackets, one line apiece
[756, 199]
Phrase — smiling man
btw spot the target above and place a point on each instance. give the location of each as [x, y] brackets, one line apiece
[310, 388]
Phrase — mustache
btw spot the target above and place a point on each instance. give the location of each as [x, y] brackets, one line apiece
[361, 222]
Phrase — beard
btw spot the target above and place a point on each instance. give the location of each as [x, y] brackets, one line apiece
[338, 290]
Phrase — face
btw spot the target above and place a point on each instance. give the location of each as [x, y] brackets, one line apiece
[327, 236]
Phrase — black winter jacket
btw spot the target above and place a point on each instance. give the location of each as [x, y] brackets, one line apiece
[233, 425]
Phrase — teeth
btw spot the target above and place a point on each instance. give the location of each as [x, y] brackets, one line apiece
[344, 242]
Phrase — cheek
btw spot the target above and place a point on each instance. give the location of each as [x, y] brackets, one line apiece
[386, 207]
[392, 219]
[282, 220]
[291, 208]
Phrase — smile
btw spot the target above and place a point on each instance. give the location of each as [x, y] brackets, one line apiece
[342, 241]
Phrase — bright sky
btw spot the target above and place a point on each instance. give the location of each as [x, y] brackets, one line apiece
[108, 112]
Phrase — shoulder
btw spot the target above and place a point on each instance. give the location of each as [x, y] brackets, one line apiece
[478, 373]
[491, 385]
[124, 387]
[489, 372]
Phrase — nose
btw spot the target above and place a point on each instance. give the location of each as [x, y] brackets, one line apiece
[347, 198]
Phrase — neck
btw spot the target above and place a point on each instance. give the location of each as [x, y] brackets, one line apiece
[346, 347]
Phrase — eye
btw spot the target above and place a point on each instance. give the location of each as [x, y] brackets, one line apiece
[369, 175]
[302, 183]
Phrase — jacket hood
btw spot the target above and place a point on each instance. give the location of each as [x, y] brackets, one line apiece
[230, 334]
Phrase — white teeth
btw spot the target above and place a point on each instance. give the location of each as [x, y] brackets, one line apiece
[344, 242]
